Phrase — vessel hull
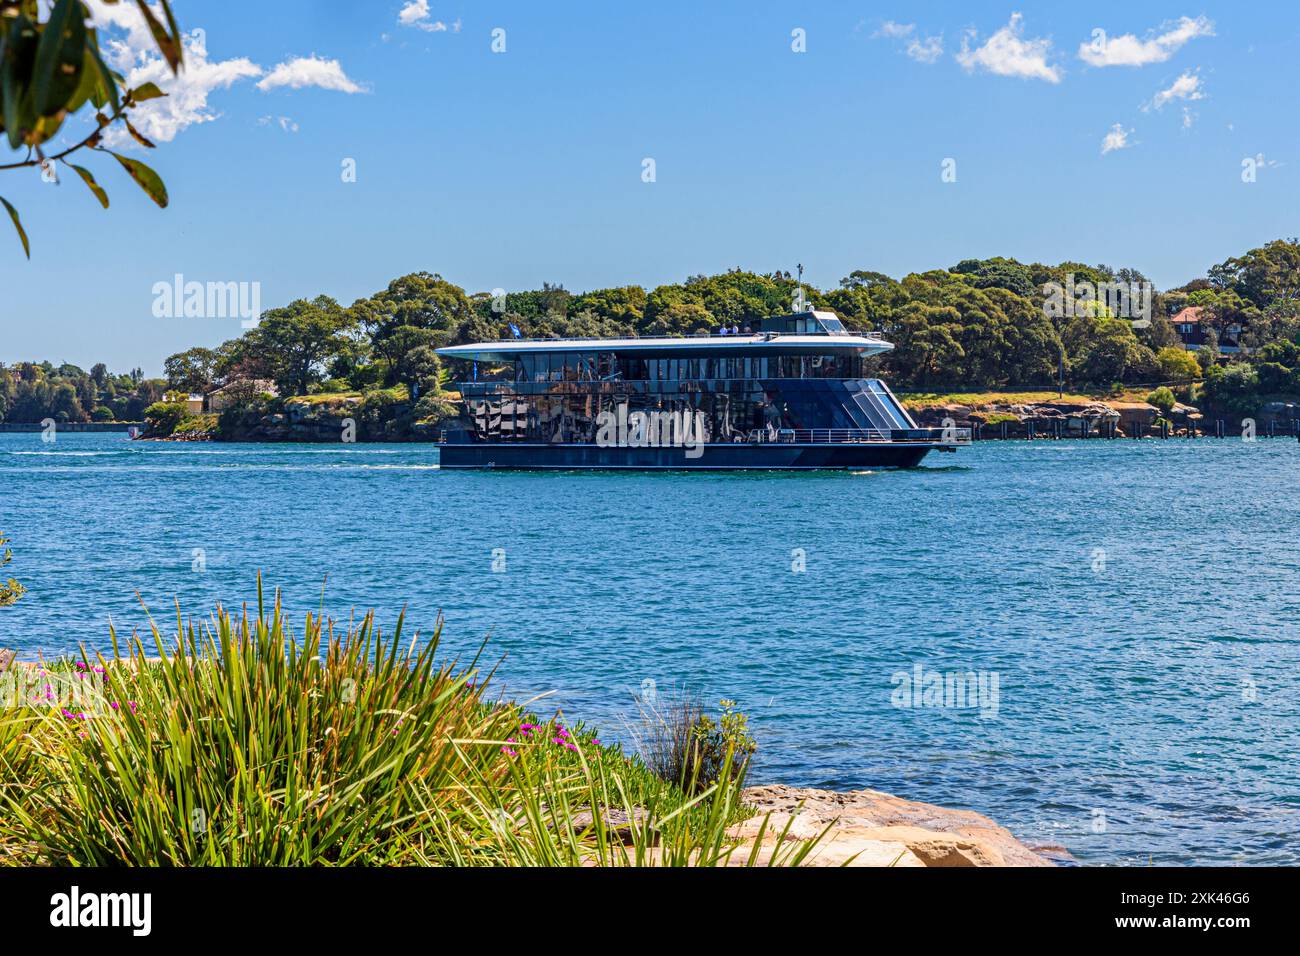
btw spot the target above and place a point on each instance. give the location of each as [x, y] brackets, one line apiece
[764, 456]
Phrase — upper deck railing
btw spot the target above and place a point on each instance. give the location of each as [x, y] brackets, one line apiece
[760, 336]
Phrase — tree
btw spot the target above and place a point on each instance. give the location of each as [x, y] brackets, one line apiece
[1265, 275]
[925, 343]
[1103, 349]
[1160, 333]
[1177, 364]
[682, 318]
[49, 70]
[192, 370]
[414, 361]
[298, 340]
[998, 273]
[733, 298]
[10, 590]
[624, 305]
[420, 301]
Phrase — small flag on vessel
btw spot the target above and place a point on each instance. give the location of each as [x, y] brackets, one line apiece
[514, 330]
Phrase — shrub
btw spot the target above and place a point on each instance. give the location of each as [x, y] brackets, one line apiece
[1233, 387]
[663, 736]
[203, 424]
[997, 418]
[685, 746]
[435, 408]
[723, 746]
[102, 414]
[244, 745]
[163, 417]
[1162, 398]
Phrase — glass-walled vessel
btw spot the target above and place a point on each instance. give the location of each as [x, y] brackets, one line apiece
[792, 394]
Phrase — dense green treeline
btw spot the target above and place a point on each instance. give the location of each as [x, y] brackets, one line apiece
[982, 324]
[33, 392]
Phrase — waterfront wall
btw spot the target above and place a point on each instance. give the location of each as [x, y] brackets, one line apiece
[72, 426]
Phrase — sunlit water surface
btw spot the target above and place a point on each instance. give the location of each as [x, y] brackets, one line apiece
[1137, 601]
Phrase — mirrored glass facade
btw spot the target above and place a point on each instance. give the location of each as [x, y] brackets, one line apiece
[560, 396]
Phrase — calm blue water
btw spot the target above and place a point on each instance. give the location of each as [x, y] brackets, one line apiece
[1149, 691]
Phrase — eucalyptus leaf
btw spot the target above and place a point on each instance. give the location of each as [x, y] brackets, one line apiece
[149, 181]
[137, 135]
[146, 91]
[93, 186]
[168, 45]
[47, 53]
[22, 233]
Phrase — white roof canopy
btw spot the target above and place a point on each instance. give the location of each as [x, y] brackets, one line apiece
[762, 343]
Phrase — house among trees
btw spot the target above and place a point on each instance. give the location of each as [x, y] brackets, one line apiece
[1192, 323]
[239, 391]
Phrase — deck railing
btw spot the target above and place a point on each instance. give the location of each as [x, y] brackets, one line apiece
[761, 336]
[812, 436]
[832, 436]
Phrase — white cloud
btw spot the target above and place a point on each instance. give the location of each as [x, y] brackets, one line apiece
[284, 122]
[1007, 53]
[926, 50]
[1186, 87]
[129, 48]
[1117, 138]
[416, 14]
[1128, 50]
[895, 31]
[413, 12]
[304, 71]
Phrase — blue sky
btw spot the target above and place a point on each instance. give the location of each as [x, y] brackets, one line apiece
[510, 169]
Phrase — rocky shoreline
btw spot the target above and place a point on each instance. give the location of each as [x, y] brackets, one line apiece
[1076, 418]
[330, 419]
[870, 828]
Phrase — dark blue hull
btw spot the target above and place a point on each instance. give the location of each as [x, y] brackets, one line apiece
[764, 456]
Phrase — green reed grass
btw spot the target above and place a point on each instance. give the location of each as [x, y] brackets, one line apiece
[246, 745]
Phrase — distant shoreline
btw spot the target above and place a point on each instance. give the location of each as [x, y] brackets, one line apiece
[26, 427]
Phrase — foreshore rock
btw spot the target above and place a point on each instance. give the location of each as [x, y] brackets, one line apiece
[870, 828]
[1073, 418]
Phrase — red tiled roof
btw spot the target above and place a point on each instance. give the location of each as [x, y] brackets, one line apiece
[1190, 314]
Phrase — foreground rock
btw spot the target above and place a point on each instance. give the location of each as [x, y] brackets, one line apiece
[869, 828]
